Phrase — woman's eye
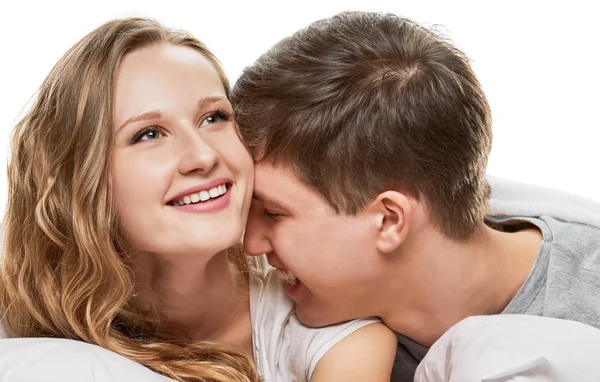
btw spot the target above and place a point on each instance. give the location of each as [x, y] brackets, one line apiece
[216, 117]
[147, 134]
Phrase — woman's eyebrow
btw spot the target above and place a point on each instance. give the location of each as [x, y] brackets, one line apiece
[210, 100]
[155, 114]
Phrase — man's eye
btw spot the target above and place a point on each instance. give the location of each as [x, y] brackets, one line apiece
[272, 216]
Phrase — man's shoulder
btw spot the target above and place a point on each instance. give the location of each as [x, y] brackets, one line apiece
[574, 249]
[572, 282]
[564, 281]
[581, 239]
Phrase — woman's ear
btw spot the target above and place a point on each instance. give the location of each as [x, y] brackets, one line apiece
[393, 211]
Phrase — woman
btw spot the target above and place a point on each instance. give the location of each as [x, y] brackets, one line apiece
[129, 189]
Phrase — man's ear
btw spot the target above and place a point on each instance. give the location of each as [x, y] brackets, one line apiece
[393, 212]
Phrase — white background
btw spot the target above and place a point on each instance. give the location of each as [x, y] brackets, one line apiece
[538, 62]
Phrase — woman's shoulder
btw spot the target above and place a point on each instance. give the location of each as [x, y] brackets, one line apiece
[284, 348]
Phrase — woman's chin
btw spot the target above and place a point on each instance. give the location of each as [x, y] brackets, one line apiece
[217, 244]
[201, 241]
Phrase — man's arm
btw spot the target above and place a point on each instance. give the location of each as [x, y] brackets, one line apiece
[365, 355]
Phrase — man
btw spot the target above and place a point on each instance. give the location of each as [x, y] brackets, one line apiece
[371, 137]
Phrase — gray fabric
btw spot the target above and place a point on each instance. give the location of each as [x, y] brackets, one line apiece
[563, 283]
[408, 356]
[565, 279]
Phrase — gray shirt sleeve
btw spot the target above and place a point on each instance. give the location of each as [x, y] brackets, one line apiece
[408, 357]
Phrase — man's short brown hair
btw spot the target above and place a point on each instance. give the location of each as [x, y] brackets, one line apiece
[361, 103]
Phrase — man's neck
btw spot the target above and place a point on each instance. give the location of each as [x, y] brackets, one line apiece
[436, 282]
[205, 300]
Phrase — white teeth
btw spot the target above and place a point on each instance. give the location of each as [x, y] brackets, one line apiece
[291, 276]
[202, 196]
[287, 276]
[281, 274]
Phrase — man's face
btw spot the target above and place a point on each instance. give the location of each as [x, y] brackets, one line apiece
[331, 255]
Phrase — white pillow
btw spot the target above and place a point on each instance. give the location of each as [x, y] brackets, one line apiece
[521, 199]
[61, 360]
[514, 348]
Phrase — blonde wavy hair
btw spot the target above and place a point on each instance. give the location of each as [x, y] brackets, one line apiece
[63, 273]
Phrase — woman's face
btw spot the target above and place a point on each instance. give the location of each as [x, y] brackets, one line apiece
[182, 177]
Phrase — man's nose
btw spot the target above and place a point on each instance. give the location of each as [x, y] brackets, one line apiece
[256, 240]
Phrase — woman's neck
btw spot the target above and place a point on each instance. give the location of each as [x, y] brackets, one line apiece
[207, 300]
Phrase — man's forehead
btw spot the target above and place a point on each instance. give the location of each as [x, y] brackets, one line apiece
[277, 182]
[269, 176]
[279, 185]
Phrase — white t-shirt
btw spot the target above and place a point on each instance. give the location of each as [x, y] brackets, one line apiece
[284, 349]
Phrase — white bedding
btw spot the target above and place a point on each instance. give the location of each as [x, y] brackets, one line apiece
[515, 198]
[514, 348]
[60, 360]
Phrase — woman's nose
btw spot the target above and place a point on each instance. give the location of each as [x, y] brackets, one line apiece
[197, 155]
